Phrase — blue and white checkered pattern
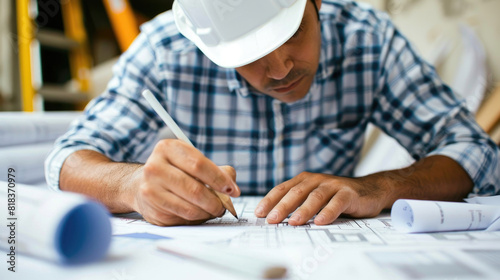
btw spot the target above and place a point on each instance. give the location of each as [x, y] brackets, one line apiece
[368, 72]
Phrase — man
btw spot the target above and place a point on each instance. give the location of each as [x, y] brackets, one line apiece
[283, 94]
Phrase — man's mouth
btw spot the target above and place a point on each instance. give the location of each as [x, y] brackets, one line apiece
[288, 87]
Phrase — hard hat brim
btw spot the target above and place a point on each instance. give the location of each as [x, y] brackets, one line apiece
[253, 45]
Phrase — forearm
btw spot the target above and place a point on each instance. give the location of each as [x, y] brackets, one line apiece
[112, 183]
[432, 178]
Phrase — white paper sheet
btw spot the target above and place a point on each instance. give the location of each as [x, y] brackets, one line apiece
[27, 160]
[25, 128]
[487, 200]
[347, 249]
[254, 233]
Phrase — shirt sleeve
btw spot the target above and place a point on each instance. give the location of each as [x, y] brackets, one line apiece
[118, 122]
[414, 106]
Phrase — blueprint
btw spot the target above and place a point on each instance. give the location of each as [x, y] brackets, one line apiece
[315, 252]
[250, 231]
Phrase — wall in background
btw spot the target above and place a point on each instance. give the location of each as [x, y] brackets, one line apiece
[427, 23]
[7, 49]
[424, 22]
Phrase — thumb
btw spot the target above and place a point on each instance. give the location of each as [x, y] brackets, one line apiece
[229, 170]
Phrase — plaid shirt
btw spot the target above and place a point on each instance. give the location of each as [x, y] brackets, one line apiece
[368, 73]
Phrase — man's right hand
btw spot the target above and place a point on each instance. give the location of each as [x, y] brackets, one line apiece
[168, 190]
[172, 189]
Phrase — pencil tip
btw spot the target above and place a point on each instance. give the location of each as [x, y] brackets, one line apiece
[234, 213]
[226, 202]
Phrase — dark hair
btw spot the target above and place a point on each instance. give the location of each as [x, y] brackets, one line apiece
[315, 7]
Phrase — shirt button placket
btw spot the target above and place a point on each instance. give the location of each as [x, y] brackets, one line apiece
[279, 155]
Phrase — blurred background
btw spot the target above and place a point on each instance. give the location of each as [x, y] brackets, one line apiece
[60, 45]
[56, 54]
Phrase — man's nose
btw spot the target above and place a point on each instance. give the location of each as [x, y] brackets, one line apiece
[278, 64]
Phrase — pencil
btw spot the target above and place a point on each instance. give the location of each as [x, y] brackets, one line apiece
[225, 199]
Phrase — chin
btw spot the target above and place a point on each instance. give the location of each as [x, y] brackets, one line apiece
[293, 96]
[290, 99]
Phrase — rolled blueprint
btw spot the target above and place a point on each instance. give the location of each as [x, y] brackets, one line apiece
[432, 216]
[27, 160]
[58, 226]
[18, 128]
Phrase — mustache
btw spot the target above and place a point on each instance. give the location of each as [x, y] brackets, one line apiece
[292, 76]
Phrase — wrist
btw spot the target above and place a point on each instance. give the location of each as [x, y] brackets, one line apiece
[387, 184]
[130, 185]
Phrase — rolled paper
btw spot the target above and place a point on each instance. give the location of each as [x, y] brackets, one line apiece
[433, 216]
[59, 226]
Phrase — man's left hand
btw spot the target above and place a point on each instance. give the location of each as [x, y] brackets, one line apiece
[325, 195]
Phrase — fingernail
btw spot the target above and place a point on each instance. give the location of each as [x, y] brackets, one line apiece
[319, 219]
[227, 189]
[273, 216]
[259, 210]
[295, 218]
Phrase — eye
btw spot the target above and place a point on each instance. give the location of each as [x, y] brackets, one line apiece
[297, 33]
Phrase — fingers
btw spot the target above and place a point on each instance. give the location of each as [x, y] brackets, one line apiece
[194, 163]
[232, 174]
[293, 199]
[166, 219]
[273, 197]
[310, 193]
[316, 199]
[173, 189]
[336, 206]
[161, 207]
[229, 170]
[286, 197]
[170, 179]
[167, 208]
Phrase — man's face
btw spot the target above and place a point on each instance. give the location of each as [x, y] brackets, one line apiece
[288, 72]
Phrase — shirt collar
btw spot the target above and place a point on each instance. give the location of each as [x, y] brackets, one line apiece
[237, 83]
[326, 65]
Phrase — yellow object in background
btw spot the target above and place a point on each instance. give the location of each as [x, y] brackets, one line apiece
[123, 21]
[74, 39]
[80, 57]
[25, 37]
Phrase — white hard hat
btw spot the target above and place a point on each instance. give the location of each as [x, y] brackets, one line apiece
[234, 33]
